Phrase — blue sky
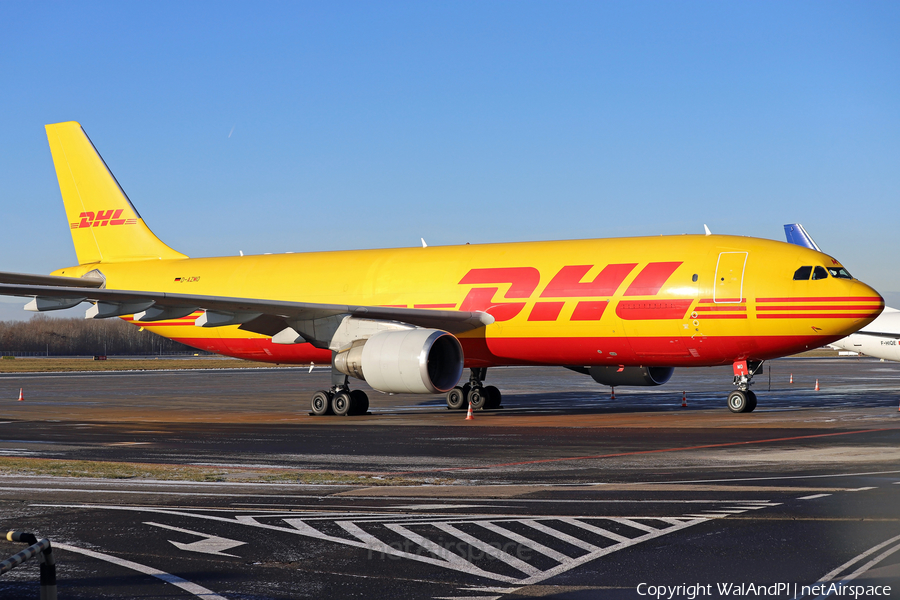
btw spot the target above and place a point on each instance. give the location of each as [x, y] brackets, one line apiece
[364, 125]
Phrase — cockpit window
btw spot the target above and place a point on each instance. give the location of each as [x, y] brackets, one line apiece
[820, 273]
[839, 273]
[802, 274]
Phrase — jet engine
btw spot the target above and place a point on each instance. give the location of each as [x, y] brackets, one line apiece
[414, 361]
[616, 376]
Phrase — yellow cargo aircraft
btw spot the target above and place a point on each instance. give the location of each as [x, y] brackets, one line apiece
[409, 320]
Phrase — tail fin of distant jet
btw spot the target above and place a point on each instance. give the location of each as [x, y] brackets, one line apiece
[796, 234]
[104, 224]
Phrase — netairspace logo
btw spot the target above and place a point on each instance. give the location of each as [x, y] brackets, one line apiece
[755, 590]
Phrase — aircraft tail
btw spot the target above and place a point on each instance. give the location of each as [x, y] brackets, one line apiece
[796, 234]
[104, 224]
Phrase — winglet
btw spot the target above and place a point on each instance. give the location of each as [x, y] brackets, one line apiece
[796, 234]
[706, 229]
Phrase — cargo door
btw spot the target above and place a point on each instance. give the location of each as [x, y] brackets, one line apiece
[729, 287]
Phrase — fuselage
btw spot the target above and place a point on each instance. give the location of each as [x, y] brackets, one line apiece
[671, 300]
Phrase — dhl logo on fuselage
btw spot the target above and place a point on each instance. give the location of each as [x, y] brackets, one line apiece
[102, 218]
[567, 283]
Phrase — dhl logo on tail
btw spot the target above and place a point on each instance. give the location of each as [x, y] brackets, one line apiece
[102, 218]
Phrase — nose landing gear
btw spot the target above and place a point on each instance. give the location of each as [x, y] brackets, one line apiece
[742, 399]
[475, 393]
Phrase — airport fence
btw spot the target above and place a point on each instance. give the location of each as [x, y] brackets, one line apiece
[40, 548]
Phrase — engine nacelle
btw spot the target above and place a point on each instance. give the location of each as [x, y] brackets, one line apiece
[414, 361]
[611, 375]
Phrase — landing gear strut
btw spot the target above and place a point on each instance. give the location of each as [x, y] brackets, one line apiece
[742, 399]
[339, 400]
[475, 393]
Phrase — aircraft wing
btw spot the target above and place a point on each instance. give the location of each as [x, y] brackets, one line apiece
[266, 317]
[54, 280]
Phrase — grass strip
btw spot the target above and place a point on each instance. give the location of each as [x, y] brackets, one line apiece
[11, 466]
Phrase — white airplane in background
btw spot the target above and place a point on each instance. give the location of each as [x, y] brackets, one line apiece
[881, 337]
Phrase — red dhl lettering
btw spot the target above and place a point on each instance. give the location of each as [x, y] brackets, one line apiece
[567, 283]
[102, 218]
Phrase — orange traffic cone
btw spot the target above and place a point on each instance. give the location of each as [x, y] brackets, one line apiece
[21, 395]
[683, 400]
[817, 385]
[792, 378]
[469, 416]
[612, 392]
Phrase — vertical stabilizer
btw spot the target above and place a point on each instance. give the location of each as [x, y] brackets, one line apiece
[796, 234]
[105, 226]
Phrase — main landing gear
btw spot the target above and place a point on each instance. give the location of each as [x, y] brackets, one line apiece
[475, 393]
[339, 400]
[742, 399]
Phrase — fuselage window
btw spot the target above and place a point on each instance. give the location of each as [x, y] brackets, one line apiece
[839, 273]
[802, 274]
[820, 273]
[694, 278]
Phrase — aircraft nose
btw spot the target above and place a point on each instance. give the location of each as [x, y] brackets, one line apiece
[870, 302]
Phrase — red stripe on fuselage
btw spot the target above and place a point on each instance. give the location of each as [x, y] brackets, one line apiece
[824, 299]
[481, 352]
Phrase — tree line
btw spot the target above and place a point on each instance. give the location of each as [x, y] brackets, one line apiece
[44, 335]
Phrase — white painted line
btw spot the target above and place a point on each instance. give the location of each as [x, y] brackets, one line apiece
[210, 544]
[581, 560]
[871, 564]
[376, 545]
[436, 506]
[549, 552]
[862, 489]
[515, 563]
[598, 530]
[565, 537]
[634, 524]
[832, 574]
[436, 549]
[813, 497]
[192, 588]
[731, 512]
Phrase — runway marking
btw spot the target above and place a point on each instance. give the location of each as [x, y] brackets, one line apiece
[814, 497]
[641, 452]
[832, 575]
[862, 489]
[366, 534]
[210, 544]
[188, 586]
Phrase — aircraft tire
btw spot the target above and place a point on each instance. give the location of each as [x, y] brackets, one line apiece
[456, 399]
[320, 403]
[359, 402]
[494, 397]
[751, 400]
[340, 404]
[738, 401]
[477, 398]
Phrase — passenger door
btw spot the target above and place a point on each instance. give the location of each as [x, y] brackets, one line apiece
[729, 287]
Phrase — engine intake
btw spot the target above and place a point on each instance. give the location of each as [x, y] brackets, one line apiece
[639, 376]
[414, 361]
